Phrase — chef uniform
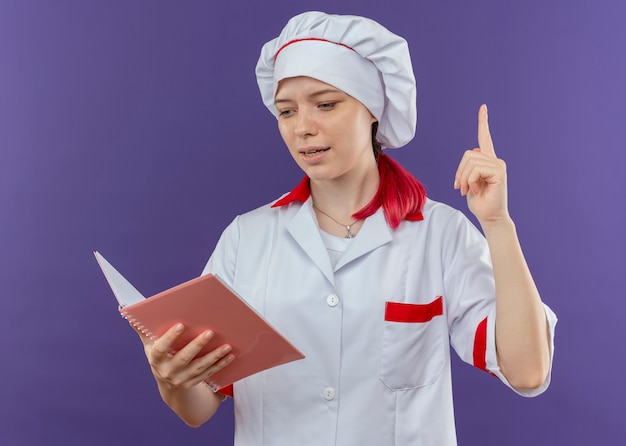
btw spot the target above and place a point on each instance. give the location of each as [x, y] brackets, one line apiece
[375, 315]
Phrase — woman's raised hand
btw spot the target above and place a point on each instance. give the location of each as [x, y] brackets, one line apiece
[481, 177]
[181, 369]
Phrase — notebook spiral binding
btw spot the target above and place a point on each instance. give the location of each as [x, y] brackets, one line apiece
[212, 385]
[138, 325]
[150, 334]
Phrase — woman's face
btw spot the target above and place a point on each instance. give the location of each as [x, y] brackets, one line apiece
[328, 132]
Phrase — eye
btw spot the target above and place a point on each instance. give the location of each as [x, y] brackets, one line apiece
[327, 105]
[285, 113]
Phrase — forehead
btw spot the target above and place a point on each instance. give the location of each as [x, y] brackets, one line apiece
[302, 85]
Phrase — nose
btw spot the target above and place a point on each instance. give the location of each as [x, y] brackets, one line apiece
[305, 124]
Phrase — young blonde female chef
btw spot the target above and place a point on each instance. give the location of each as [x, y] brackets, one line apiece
[371, 280]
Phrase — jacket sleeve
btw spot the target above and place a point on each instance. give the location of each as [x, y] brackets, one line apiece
[471, 303]
[223, 260]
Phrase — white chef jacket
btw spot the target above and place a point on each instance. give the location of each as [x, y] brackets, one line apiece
[376, 329]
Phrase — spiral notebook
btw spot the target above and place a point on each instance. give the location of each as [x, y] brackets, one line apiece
[200, 304]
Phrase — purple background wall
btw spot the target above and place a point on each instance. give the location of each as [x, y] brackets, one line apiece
[136, 128]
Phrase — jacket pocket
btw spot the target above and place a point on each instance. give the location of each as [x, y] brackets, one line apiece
[413, 344]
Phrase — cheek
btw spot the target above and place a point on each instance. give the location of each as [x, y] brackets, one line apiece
[284, 133]
[288, 140]
[360, 130]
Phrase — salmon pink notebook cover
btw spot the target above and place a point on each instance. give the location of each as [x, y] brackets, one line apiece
[205, 303]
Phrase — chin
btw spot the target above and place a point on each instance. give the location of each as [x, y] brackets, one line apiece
[318, 175]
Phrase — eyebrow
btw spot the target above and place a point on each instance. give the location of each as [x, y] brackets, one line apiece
[312, 95]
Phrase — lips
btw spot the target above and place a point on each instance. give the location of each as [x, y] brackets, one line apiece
[313, 151]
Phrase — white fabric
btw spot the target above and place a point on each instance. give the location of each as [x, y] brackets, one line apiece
[364, 381]
[335, 246]
[395, 106]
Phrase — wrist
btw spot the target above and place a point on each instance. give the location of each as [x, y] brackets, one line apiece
[499, 227]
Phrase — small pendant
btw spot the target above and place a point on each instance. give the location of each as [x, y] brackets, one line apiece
[349, 234]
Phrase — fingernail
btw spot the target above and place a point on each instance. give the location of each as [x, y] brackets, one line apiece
[179, 328]
[226, 349]
[207, 335]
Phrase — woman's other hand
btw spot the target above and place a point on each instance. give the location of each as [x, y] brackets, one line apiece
[182, 369]
[481, 177]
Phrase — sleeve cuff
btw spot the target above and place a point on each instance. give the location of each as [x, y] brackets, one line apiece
[492, 361]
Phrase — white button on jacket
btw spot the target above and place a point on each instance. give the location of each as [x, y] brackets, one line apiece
[328, 394]
[332, 300]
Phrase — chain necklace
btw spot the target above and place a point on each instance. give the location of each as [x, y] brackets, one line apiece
[349, 234]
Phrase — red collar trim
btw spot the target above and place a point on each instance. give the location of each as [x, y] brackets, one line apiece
[415, 217]
[302, 192]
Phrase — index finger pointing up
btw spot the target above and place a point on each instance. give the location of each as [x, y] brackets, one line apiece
[484, 137]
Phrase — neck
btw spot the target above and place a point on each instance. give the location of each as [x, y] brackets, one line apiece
[344, 196]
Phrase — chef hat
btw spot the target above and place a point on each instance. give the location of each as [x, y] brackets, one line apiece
[354, 54]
